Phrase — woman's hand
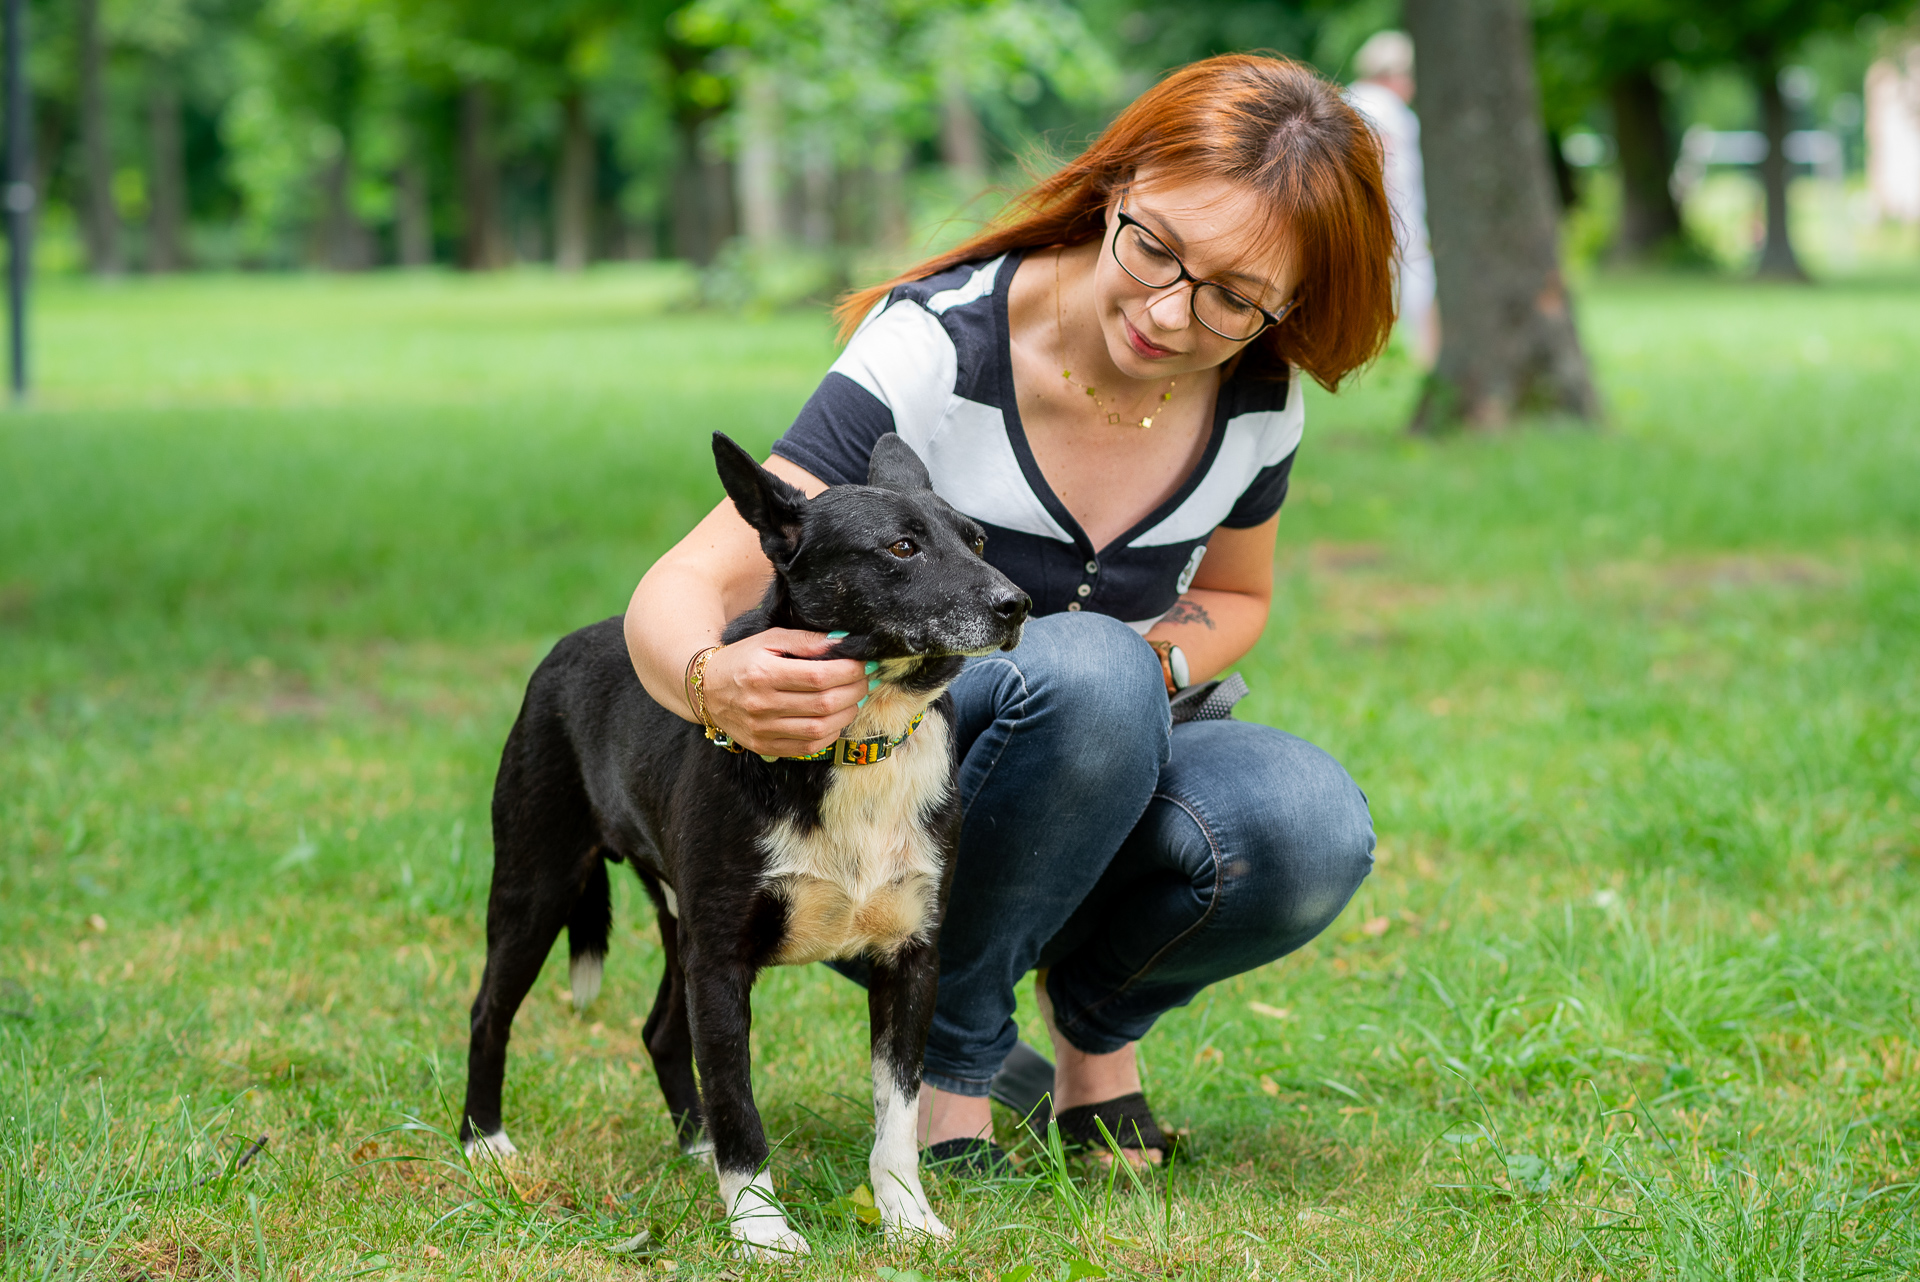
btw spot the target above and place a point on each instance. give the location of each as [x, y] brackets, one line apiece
[772, 696]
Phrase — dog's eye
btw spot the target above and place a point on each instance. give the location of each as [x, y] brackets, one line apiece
[904, 548]
[979, 545]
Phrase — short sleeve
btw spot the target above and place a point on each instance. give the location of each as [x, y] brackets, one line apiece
[895, 375]
[1262, 497]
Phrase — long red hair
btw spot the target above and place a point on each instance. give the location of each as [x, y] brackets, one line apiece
[1269, 123]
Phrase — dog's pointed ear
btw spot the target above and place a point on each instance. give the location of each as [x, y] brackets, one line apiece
[896, 467]
[764, 501]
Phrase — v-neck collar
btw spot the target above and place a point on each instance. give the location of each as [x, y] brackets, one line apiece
[1023, 451]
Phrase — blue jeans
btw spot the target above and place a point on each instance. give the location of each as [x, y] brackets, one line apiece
[1139, 862]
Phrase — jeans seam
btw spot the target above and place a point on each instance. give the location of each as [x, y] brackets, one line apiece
[1026, 696]
[1213, 902]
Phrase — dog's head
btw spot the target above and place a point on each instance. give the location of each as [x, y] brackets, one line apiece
[890, 562]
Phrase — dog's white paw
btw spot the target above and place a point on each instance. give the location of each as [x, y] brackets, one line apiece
[700, 1146]
[755, 1219]
[912, 1221]
[496, 1144]
[904, 1213]
[759, 1244]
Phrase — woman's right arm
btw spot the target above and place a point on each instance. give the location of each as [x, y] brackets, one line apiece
[768, 692]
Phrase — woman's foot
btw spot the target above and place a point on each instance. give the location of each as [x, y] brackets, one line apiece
[946, 1116]
[1080, 1078]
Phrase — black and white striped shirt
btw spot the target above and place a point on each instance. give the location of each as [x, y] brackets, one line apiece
[932, 362]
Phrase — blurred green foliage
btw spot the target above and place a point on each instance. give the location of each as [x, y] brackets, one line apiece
[836, 136]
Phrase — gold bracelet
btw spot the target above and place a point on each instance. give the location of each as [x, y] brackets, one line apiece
[695, 681]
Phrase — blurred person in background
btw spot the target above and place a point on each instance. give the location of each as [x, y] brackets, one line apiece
[1384, 95]
[1109, 379]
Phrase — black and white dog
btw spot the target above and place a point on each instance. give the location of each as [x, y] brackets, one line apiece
[750, 861]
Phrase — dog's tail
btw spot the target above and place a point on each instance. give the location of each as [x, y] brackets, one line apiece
[587, 929]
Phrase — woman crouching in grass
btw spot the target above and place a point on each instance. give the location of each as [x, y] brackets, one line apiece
[1107, 379]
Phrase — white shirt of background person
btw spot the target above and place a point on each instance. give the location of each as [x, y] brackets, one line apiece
[1382, 93]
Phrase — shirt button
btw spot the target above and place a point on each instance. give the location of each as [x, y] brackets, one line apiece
[1073, 605]
[1083, 590]
[1093, 567]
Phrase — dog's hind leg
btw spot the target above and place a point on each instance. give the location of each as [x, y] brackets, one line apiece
[900, 996]
[720, 1015]
[545, 854]
[668, 1038]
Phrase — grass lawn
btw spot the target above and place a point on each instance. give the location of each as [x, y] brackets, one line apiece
[1631, 993]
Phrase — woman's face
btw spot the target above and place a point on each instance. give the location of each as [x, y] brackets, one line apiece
[1219, 230]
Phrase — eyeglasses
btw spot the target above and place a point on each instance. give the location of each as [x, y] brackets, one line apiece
[1143, 256]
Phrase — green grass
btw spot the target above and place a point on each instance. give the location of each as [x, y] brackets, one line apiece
[1631, 994]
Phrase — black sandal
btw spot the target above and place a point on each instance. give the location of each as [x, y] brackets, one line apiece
[1128, 1121]
[967, 1157]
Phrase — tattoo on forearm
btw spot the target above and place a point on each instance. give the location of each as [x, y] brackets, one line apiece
[1187, 610]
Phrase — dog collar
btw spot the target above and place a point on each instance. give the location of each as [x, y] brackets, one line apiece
[844, 752]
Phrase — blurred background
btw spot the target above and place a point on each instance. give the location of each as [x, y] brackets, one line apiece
[784, 148]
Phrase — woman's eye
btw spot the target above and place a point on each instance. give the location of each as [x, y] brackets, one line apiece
[903, 548]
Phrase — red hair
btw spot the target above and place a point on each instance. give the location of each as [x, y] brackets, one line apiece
[1270, 124]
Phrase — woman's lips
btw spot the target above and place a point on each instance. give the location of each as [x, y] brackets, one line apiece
[1152, 351]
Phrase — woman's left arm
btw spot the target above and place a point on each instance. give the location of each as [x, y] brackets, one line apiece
[1225, 608]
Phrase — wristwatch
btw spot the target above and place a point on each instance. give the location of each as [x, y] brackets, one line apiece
[1173, 666]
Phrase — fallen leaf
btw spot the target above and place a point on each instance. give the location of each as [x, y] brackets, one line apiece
[1376, 926]
[1268, 1085]
[431, 1251]
[1271, 1012]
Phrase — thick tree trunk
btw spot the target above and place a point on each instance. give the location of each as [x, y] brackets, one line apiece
[1649, 218]
[893, 226]
[483, 241]
[1508, 342]
[816, 192]
[100, 222]
[167, 216]
[757, 166]
[1777, 259]
[413, 216]
[573, 186]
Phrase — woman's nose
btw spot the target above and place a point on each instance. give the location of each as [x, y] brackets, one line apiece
[1169, 311]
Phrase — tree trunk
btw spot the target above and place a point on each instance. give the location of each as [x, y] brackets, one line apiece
[1649, 218]
[100, 221]
[167, 207]
[413, 216]
[703, 217]
[1777, 259]
[483, 241]
[573, 186]
[892, 221]
[1508, 342]
[345, 245]
[962, 145]
[757, 167]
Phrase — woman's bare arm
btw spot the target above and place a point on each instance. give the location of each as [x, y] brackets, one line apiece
[1225, 610]
[767, 692]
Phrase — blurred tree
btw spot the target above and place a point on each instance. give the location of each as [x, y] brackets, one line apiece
[1610, 51]
[1508, 341]
[99, 219]
[1761, 36]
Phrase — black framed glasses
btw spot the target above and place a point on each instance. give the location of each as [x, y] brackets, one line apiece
[1228, 313]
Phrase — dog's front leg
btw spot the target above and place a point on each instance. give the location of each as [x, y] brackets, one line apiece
[900, 999]
[720, 1011]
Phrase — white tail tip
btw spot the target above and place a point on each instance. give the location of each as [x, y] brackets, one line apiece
[585, 976]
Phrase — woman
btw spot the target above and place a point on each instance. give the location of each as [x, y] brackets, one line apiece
[1107, 380]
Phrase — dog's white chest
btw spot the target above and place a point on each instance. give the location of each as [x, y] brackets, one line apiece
[868, 876]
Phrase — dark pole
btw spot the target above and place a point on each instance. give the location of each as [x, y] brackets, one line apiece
[18, 193]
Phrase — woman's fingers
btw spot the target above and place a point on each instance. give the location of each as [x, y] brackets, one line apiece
[770, 695]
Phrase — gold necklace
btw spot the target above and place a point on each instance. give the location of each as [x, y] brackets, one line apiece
[1060, 338]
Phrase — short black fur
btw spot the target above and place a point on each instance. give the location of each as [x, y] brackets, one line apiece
[595, 771]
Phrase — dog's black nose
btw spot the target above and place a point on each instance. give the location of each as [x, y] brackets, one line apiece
[1013, 608]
